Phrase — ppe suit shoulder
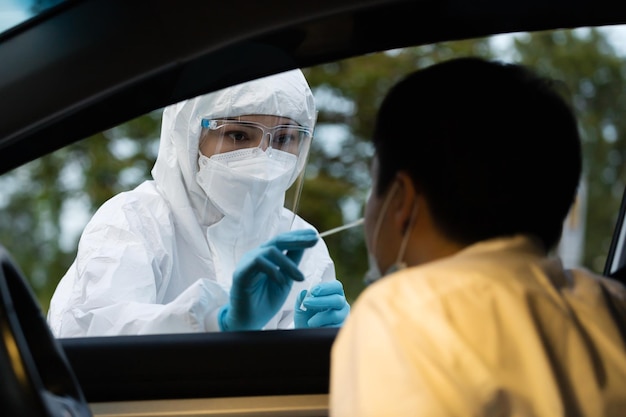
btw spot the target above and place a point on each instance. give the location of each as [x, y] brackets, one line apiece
[123, 271]
[133, 209]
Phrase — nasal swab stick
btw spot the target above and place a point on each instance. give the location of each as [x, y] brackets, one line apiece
[340, 228]
[330, 232]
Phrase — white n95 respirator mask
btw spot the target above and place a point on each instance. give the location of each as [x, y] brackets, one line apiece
[250, 182]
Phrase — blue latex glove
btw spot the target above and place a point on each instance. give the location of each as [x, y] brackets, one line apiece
[263, 279]
[325, 306]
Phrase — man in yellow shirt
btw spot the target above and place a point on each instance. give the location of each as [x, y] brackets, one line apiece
[477, 164]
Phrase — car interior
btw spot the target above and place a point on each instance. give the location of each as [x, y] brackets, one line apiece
[84, 83]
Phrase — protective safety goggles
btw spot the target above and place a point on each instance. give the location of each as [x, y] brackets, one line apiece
[231, 135]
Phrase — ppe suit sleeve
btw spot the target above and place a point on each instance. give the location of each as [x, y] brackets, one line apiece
[192, 311]
[123, 266]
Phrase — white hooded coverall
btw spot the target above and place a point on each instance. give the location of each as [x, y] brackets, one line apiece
[160, 258]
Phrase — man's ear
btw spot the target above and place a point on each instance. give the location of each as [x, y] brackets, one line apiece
[405, 201]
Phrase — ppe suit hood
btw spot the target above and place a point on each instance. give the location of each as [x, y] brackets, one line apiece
[286, 94]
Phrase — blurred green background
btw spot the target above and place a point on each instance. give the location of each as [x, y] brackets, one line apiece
[45, 204]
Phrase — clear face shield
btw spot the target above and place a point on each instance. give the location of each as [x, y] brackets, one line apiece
[251, 166]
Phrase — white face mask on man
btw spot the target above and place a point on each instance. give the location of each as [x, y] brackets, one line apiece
[247, 181]
[374, 273]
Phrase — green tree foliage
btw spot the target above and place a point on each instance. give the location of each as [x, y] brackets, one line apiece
[42, 198]
[594, 77]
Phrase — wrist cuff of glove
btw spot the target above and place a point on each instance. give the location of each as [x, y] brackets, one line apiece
[221, 320]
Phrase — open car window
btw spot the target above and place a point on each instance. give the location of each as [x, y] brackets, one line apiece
[48, 202]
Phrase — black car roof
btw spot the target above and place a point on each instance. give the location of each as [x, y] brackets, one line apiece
[87, 65]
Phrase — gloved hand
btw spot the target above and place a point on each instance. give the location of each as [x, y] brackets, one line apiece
[262, 280]
[325, 306]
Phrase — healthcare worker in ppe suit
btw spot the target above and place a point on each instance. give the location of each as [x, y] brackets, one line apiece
[208, 244]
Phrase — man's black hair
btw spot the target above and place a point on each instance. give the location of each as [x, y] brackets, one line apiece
[494, 147]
